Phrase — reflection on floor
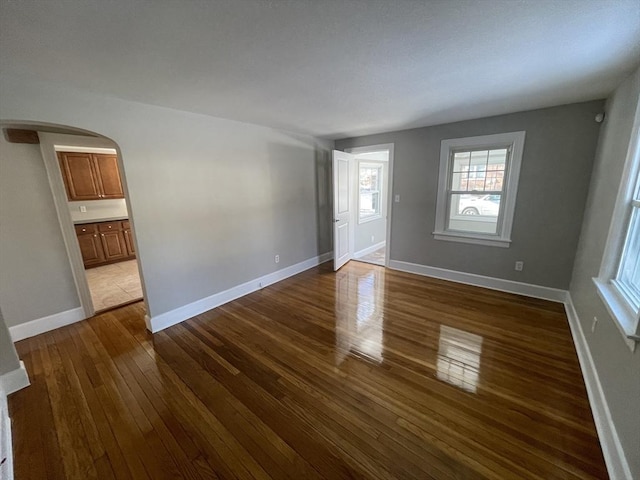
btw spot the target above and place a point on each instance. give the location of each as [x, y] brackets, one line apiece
[364, 373]
[114, 284]
[376, 257]
[459, 355]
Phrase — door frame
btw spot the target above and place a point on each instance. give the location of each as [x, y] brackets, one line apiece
[389, 147]
[48, 142]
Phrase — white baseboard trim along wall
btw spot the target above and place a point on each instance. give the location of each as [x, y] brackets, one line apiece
[509, 286]
[14, 380]
[10, 382]
[45, 324]
[368, 250]
[165, 320]
[6, 450]
[614, 456]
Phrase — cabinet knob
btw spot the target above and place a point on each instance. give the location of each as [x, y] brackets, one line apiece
[84, 229]
[95, 236]
[102, 234]
[109, 226]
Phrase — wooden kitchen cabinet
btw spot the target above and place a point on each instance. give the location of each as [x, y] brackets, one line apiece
[90, 245]
[128, 238]
[90, 176]
[113, 242]
[108, 175]
[105, 242]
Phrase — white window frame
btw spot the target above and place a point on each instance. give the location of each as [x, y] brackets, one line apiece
[502, 238]
[380, 167]
[626, 319]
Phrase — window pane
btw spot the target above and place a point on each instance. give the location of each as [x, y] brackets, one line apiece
[497, 159]
[461, 161]
[459, 181]
[474, 213]
[494, 180]
[369, 191]
[479, 170]
[369, 204]
[629, 272]
[369, 178]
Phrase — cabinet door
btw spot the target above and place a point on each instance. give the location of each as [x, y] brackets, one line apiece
[91, 249]
[108, 176]
[79, 176]
[113, 245]
[128, 239]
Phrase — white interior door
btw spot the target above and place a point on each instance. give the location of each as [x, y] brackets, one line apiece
[342, 211]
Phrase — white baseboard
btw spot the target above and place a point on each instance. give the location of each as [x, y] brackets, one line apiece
[10, 382]
[6, 451]
[45, 324]
[510, 286]
[614, 456]
[165, 320]
[368, 250]
[14, 380]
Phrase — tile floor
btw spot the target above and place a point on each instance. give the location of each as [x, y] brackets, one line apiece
[114, 284]
[376, 257]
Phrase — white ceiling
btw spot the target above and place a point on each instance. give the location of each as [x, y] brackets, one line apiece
[331, 68]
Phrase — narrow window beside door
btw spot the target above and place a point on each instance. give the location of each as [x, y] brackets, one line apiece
[370, 178]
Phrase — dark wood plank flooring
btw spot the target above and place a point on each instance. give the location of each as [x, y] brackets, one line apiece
[363, 373]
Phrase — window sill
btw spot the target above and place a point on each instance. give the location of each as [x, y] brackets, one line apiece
[473, 239]
[369, 219]
[622, 315]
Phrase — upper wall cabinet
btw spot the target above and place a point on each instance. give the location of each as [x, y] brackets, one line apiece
[90, 176]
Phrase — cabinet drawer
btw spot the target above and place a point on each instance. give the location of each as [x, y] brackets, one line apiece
[126, 225]
[86, 228]
[109, 227]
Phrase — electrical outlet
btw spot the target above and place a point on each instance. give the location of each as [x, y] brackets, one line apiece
[83, 209]
[397, 198]
[260, 285]
[593, 325]
[519, 266]
[372, 238]
[277, 259]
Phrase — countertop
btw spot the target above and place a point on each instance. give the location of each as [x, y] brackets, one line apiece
[107, 219]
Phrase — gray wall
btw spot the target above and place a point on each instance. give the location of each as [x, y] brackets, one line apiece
[618, 368]
[212, 201]
[8, 356]
[35, 276]
[364, 231]
[556, 167]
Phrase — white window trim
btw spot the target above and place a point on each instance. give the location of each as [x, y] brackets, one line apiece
[510, 189]
[379, 166]
[627, 321]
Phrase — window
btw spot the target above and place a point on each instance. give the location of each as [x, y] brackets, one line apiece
[618, 283]
[477, 188]
[369, 202]
[628, 277]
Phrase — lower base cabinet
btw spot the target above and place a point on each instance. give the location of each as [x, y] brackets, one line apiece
[105, 242]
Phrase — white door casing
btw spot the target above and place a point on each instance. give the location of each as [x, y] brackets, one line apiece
[342, 210]
[387, 183]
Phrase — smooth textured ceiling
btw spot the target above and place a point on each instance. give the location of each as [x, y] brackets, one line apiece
[331, 68]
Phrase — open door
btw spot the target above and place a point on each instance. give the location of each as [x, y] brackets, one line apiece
[342, 237]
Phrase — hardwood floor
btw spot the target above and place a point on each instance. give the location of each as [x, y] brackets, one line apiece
[364, 373]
